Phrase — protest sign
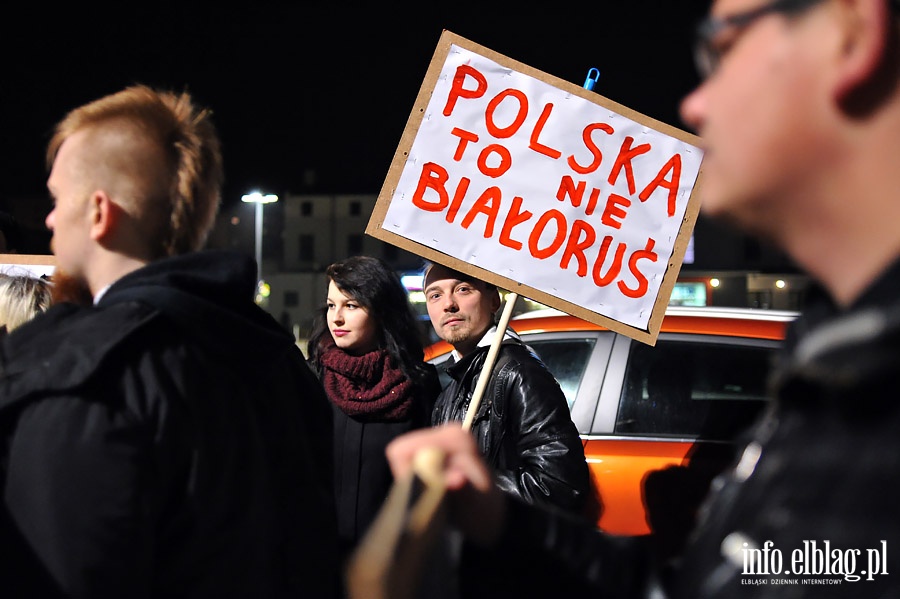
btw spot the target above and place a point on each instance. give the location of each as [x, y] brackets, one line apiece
[33, 265]
[542, 188]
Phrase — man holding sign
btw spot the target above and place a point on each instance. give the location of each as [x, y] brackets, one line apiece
[521, 421]
[800, 119]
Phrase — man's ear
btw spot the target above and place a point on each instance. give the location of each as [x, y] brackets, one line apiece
[866, 29]
[103, 215]
[496, 301]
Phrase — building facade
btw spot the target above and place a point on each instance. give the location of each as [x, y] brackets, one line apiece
[304, 233]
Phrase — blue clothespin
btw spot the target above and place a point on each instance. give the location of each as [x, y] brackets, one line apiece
[592, 76]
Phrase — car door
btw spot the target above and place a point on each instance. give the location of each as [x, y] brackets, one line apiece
[677, 405]
[578, 361]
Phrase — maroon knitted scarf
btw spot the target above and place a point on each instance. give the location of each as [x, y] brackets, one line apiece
[370, 387]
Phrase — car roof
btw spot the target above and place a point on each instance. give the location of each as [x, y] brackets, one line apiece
[696, 311]
[711, 320]
[753, 323]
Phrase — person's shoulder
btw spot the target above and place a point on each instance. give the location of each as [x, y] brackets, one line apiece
[429, 379]
[64, 346]
[81, 325]
[516, 352]
[523, 369]
[429, 371]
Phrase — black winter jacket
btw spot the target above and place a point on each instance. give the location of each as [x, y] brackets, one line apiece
[168, 442]
[812, 497]
[362, 475]
[523, 426]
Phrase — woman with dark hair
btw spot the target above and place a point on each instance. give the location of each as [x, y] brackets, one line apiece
[367, 350]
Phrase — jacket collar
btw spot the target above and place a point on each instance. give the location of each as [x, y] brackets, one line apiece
[487, 339]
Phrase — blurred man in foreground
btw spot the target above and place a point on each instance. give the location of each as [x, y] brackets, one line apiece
[161, 435]
[799, 113]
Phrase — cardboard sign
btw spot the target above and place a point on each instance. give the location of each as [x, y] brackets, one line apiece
[33, 265]
[542, 188]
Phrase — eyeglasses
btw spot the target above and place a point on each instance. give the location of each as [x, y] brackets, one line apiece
[708, 55]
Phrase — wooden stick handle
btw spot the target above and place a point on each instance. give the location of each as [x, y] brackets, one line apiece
[388, 562]
[490, 359]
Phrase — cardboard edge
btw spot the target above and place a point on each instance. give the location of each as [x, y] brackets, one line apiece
[375, 227]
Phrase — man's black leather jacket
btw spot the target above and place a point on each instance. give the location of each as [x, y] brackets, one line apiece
[523, 426]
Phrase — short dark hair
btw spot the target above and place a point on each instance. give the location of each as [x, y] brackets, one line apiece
[457, 274]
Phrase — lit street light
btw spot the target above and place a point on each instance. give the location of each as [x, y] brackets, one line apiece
[259, 199]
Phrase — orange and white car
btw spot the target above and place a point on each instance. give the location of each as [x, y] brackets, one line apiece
[641, 408]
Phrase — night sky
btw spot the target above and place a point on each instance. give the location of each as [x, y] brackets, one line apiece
[314, 100]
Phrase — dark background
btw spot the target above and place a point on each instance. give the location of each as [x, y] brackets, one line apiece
[313, 99]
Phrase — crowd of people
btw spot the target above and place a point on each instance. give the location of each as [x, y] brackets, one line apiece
[162, 435]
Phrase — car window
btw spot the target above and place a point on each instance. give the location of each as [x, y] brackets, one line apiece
[692, 389]
[566, 359]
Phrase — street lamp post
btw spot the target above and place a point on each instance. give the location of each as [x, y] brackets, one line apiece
[259, 199]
